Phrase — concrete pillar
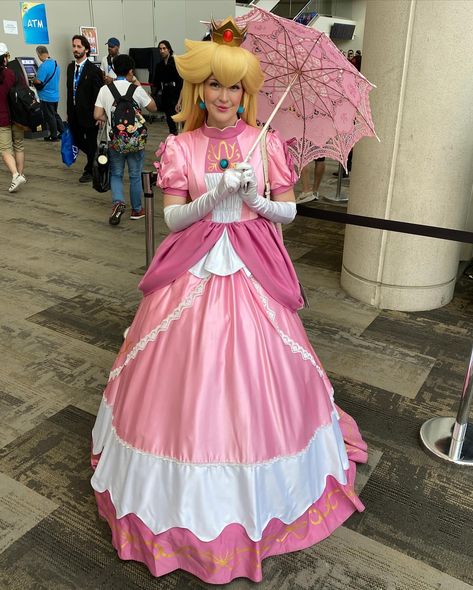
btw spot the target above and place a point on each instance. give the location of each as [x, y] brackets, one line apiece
[419, 55]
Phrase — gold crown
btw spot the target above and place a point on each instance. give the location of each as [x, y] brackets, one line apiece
[228, 33]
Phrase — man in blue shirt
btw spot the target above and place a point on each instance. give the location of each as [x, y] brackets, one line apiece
[47, 85]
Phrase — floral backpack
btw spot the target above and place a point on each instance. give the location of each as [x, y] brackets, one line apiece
[128, 131]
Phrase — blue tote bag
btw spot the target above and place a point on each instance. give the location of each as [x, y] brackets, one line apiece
[69, 151]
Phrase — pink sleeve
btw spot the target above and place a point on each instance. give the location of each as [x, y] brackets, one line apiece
[282, 176]
[172, 168]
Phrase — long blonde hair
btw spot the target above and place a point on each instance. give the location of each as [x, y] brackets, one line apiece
[229, 65]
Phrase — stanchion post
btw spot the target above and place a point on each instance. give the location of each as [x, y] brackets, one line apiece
[445, 437]
[339, 182]
[461, 423]
[338, 198]
[147, 179]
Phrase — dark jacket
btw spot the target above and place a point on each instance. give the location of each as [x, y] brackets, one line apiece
[167, 80]
[90, 82]
[8, 81]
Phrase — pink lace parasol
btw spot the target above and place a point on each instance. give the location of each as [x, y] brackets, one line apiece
[312, 94]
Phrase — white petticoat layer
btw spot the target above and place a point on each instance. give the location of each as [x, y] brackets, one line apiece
[205, 498]
[220, 260]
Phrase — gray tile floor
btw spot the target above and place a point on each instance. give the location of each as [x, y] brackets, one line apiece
[68, 287]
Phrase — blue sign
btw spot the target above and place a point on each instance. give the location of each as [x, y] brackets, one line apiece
[35, 25]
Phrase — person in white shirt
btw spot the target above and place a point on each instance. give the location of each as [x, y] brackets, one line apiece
[104, 105]
[106, 65]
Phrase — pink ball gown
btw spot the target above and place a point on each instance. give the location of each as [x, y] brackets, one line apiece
[218, 442]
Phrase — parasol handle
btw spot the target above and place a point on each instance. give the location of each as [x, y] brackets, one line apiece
[271, 117]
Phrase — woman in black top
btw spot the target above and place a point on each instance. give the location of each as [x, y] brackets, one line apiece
[167, 82]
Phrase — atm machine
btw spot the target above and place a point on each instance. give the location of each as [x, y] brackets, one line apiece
[26, 67]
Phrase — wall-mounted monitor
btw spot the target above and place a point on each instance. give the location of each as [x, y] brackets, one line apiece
[342, 31]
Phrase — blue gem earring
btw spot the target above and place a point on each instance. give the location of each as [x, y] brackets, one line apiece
[240, 109]
[202, 105]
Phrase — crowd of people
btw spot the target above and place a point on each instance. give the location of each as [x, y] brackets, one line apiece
[90, 106]
[354, 57]
[84, 115]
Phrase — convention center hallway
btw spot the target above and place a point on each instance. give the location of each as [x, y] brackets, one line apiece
[68, 289]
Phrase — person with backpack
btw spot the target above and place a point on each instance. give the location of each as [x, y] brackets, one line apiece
[11, 136]
[119, 105]
[47, 85]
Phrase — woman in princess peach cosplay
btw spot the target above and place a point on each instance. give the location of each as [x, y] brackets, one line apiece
[218, 442]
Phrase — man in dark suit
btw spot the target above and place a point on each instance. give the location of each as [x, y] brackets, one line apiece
[83, 84]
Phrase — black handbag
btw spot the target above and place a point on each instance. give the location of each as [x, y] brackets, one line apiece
[101, 166]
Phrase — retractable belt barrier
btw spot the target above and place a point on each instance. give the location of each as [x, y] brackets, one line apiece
[417, 229]
[147, 180]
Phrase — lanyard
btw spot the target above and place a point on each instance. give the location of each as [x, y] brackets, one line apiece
[77, 75]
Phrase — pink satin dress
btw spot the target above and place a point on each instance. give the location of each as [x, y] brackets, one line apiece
[218, 442]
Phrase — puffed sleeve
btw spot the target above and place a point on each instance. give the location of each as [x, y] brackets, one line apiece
[282, 176]
[172, 168]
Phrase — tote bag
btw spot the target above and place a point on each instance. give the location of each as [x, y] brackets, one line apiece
[69, 151]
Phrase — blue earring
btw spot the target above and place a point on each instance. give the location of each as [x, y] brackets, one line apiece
[240, 109]
[202, 105]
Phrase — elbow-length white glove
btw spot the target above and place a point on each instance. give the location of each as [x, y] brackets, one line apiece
[276, 211]
[178, 217]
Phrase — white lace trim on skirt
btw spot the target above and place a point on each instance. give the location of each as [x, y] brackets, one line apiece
[186, 303]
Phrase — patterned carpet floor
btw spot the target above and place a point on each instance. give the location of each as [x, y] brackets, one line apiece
[68, 289]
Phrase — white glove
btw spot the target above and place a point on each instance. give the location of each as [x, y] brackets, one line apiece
[276, 211]
[178, 217]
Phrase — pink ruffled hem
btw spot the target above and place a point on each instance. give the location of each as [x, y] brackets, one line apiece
[232, 554]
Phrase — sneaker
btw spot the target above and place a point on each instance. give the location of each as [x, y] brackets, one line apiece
[117, 211]
[305, 198]
[137, 214]
[16, 182]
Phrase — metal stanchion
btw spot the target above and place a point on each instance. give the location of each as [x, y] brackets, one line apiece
[147, 179]
[445, 437]
[338, 198]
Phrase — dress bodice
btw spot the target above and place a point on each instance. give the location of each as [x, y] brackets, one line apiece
[230, 209]
[190, 163]
[231, 237]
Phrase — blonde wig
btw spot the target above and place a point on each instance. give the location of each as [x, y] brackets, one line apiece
[229, 65]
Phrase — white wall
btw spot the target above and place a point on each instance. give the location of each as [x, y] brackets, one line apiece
[137, 23]
[357, 10]
[265, 4]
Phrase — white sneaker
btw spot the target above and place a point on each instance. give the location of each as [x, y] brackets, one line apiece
[305, 198]
[16, 182]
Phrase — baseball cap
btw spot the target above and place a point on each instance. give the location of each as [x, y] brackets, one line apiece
[3, 49]
[113, 42]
